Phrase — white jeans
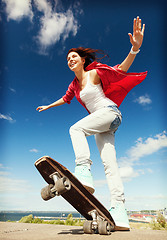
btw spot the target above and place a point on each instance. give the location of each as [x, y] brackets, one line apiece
[102, 123]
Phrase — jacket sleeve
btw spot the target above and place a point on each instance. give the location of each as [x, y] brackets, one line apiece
[69, 94]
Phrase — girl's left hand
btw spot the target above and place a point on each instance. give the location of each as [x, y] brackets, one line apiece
[138, 34]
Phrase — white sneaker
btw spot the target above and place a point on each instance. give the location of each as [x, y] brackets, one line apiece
[82, 172]
[120, 217]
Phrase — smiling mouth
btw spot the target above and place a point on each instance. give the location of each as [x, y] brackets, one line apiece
[72, 64]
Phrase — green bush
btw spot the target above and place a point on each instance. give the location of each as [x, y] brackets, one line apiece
[159, 224]
[37, 220]
[69, 221]
[70, 216]
[161, 220]
[27, 219]
[73, 222]
[79, 222]
[60, 222]
[50, 222]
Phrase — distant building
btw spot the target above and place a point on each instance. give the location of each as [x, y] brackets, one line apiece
[141, 217]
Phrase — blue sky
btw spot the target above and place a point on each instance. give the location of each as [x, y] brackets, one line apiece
[35, 38]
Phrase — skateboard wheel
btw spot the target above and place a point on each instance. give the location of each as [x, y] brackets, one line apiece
[104, 228]
[46, 192]
[87, 227]
[62, 185]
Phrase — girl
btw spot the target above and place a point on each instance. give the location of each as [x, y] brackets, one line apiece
[101, 89]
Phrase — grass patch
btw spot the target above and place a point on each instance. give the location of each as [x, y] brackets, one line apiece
[69, 221]
[136, 225]
[159, 224]
[156, 224]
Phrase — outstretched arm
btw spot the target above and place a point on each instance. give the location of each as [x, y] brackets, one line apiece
[55, 104]
[136, 40]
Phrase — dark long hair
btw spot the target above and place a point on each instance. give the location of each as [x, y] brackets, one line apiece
[88, 54]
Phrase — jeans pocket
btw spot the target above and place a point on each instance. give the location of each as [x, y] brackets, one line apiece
[115, 124]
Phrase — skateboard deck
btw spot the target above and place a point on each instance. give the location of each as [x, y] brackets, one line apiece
[62, 182]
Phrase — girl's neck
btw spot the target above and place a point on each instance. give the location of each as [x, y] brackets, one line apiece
[80, 75]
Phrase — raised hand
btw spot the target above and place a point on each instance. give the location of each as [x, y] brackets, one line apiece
[138, 33]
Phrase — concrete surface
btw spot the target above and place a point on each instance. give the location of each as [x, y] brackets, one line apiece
[27, 231]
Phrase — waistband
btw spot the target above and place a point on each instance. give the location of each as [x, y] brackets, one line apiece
[115, 108]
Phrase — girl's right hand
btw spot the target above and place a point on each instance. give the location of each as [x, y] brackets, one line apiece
[42, 108]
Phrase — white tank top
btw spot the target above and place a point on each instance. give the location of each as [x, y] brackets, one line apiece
[93, 97]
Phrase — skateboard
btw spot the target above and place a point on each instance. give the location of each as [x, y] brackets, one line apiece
[62, 182]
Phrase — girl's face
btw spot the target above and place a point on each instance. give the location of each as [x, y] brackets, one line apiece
[74, 61]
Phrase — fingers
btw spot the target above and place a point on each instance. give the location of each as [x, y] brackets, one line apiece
[134, 25]
[131, 38]
[39, 109]
[143, 29]
[137, 25]
[42, 108]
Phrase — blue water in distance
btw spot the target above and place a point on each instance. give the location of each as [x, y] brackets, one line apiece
[17, 215]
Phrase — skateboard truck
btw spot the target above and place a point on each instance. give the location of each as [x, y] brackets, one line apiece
[97, 225]
[60, 186]
[94, 217]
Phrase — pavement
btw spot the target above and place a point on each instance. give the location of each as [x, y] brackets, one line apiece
[28, 231]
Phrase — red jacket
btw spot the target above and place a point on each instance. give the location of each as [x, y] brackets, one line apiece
[115, 83]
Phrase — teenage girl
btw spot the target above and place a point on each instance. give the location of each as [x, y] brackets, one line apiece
[101, 89]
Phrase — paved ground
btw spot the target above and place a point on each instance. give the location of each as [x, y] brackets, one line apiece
[27, 231]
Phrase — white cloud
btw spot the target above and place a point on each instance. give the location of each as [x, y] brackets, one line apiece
[43, 6]
[12, 90]
[148, 146]
[8, 185]
[3, 173]
[6, 117]
[55, 26]
[135, 153]
[34, 150]
[18, 9]
[143, 100]
[100, 183]
[144, 148]
[127, 173]
[146, 202]
[150, 170]
[1, 165]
